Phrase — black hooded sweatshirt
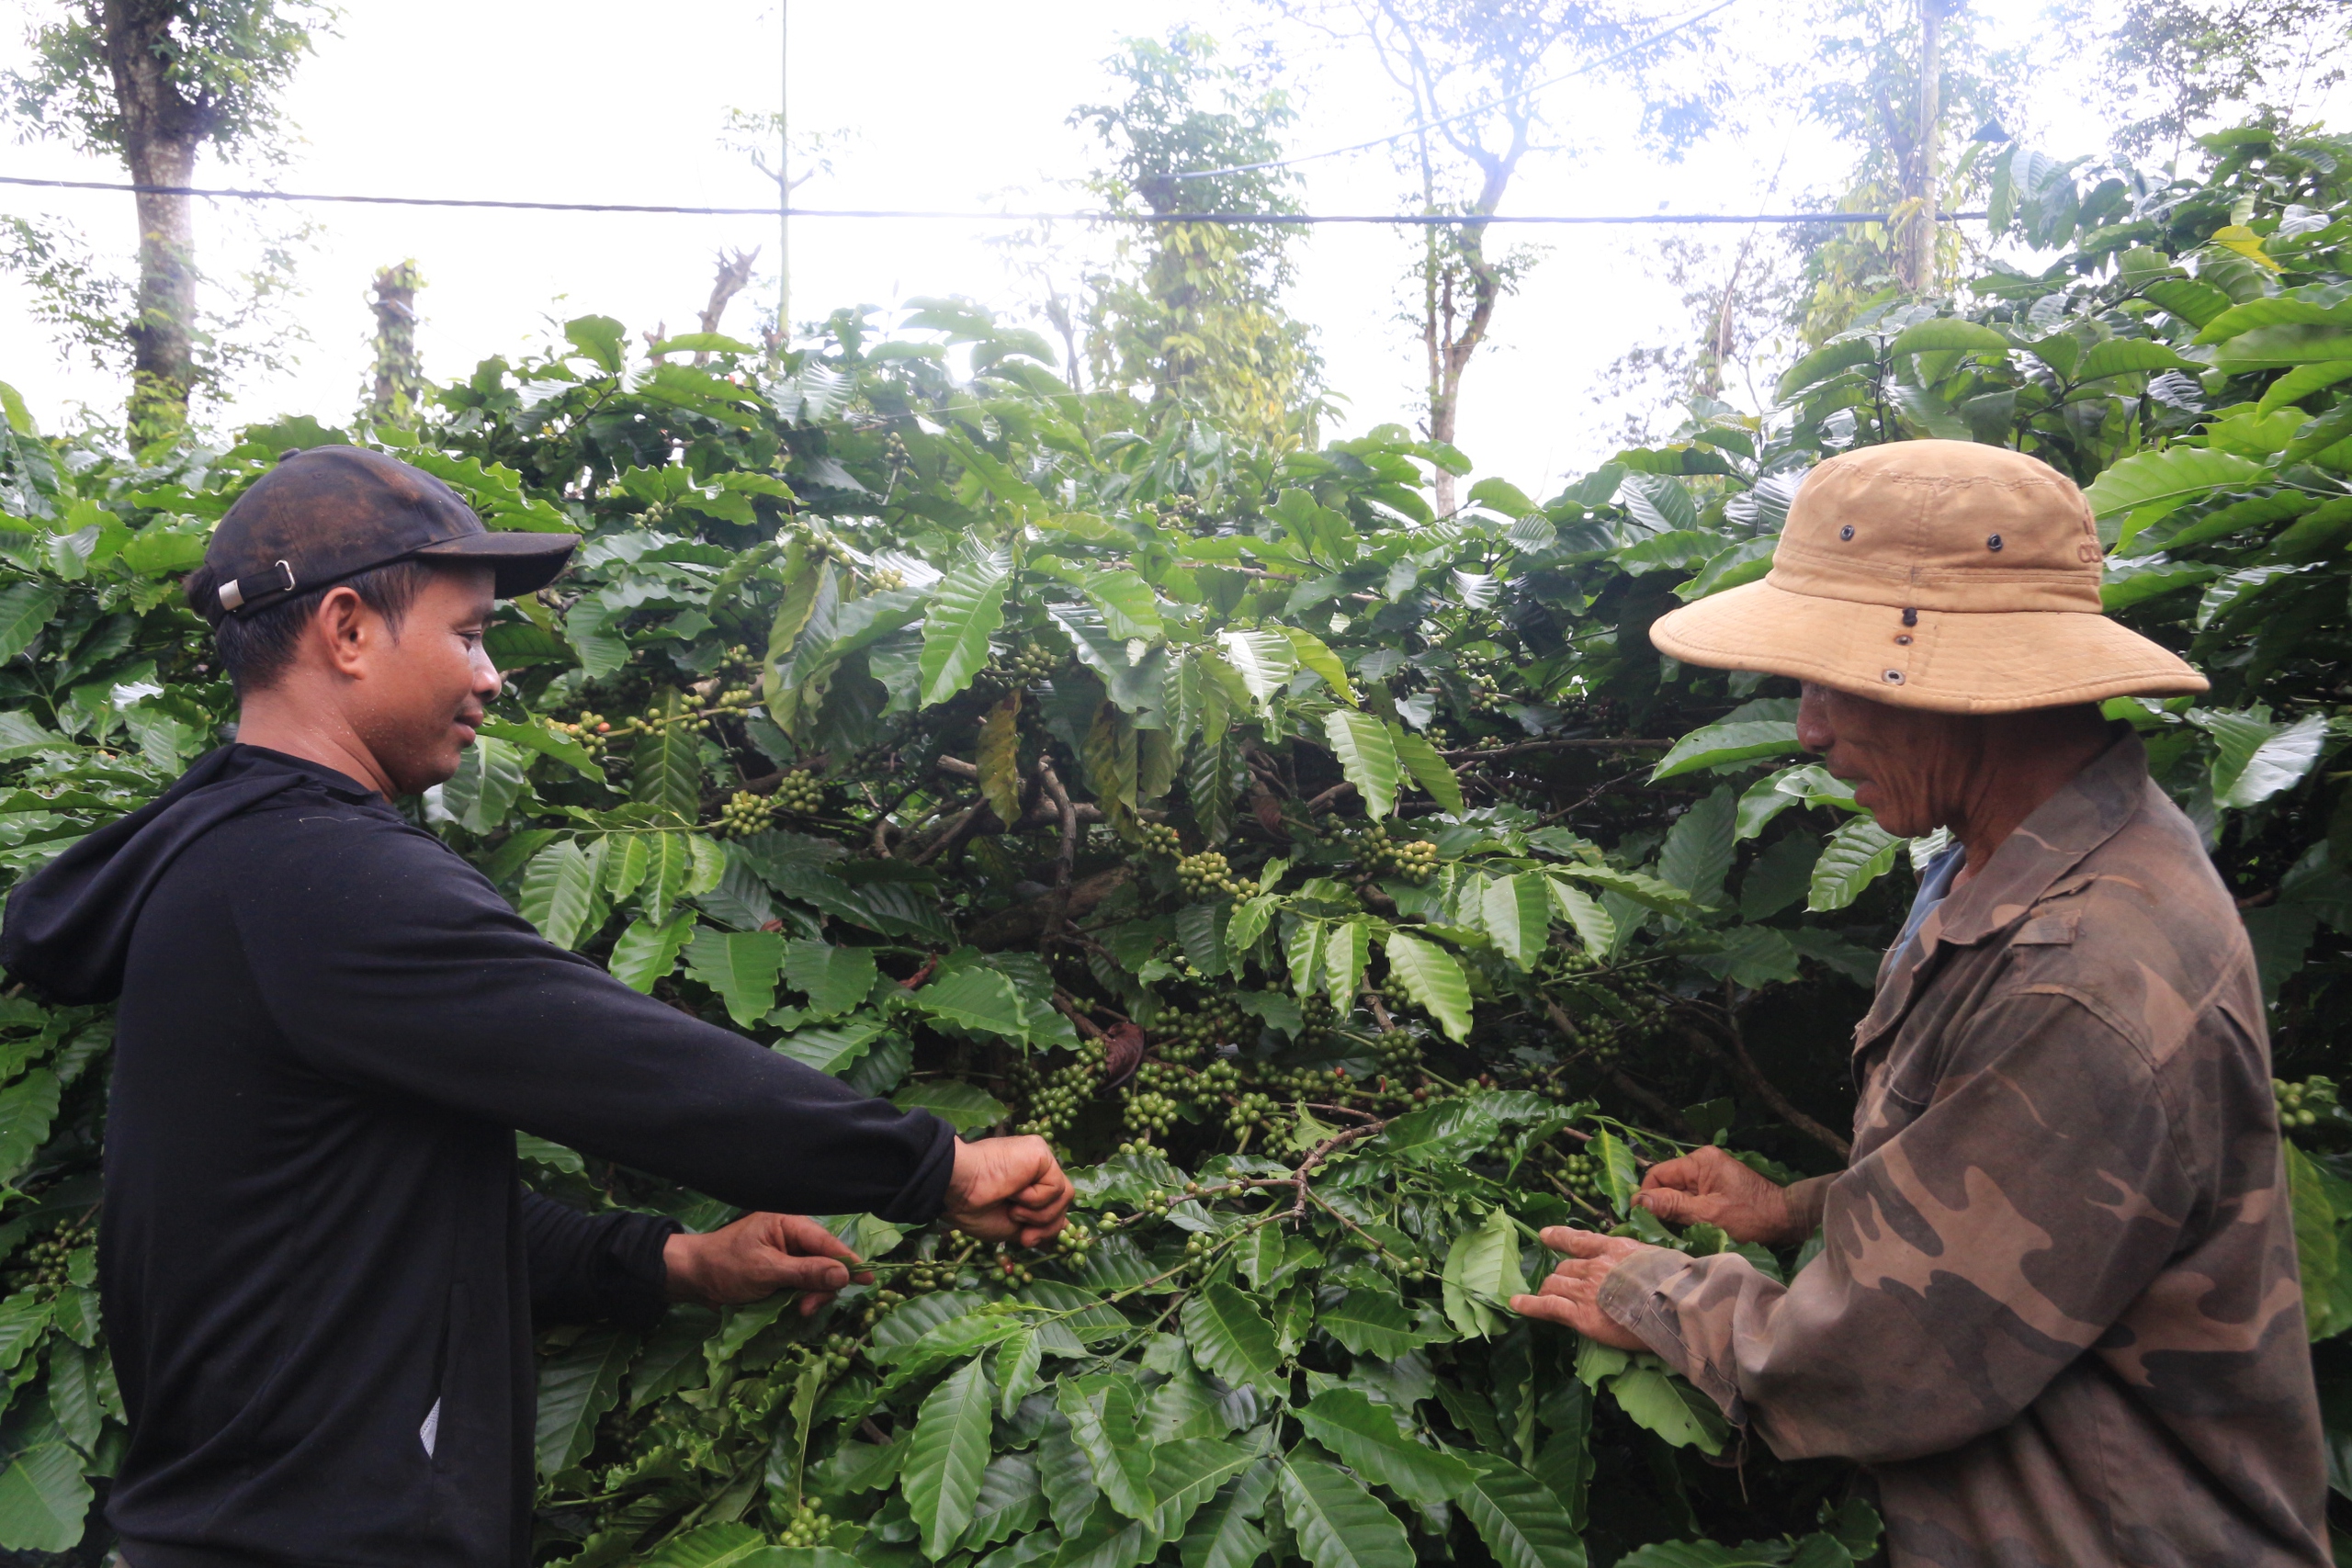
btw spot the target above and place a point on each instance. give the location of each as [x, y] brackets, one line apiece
[319, 1264]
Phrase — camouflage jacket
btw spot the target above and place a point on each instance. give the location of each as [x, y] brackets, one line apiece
[2056, 1310]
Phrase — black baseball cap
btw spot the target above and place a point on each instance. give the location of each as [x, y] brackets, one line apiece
[327, 513]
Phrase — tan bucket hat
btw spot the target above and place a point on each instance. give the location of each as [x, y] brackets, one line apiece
[1933, 574]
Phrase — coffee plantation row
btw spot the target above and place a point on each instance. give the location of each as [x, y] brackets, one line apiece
[1348, 892]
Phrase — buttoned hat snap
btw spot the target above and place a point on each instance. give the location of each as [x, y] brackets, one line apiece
[1933, 574]
[325, 514]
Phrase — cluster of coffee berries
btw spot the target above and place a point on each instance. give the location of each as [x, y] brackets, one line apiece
[1399, 1050]
[1149, 1111]
[1203, 1027]
[1582, 1175]
[1008, 1270]
[1028, 663]
[593, 730]
[885, 578]
[746, 814]
[1075, 1242]
[1249, 1111]
[1054, 1099]
[1181, 506]
[800, 794]
[808, 1525]
[1610, 1011]
[1486, 694]
[1412, 859]
[894, 450]
[835, 1354]
[47, 1263]
[1160, 838]
[2302, 1104]
[1207, 875]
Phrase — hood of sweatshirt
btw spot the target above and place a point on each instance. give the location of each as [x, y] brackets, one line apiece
[67, 931]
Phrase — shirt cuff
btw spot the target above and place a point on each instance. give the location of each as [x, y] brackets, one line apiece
[1634, 1296]
[921, 1200]
[1807, 1201]
[634, 1280]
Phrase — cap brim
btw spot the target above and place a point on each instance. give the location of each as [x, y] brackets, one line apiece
[1953, 661]
[522, 562]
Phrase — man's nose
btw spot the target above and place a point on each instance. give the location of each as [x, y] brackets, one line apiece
[1812, 721]
[487, 680]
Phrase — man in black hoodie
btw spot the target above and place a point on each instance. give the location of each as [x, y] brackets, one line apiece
[319, 1268]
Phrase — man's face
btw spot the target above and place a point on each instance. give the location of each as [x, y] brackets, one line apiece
[1904, 763]
[425, 689]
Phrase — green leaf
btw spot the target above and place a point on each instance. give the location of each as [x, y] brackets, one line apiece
[668, 867]
[1647, 891]
[1593, 927]
[28, 1107]
[741, 967]
[1482, 1275]
[2300, 383]
[647, 951]
[1232, 1338]
[1264, 661]
[1370, 1324]
[832, 1047]
[44, 1500]
[1367, 757]
[1314, 655]
[1222, 1535]
[2327, 1293]
[542, 737]
[1187, 1472]
[1697, 849]
[998, 757]
[1721, 744]
[558, 893]
[1367, 1440]
[949, 1454]
[1347, 946]
[1618, 1177]
[976, 998]
[834, 979]
[2126, 355]
[1517, 912]
[577, 1385]
[1823, 362]
[1433, 978]
[1437, 779]
[1858, 854]
[26, 609]
[1010, 1501]
[1518, 1518]
[667, 763]
[1066, 1476]
[2166, 480]
[1675, 1411]
[962, 1105]
[734, 1546]
[966, 609]
[1101, 1416]
[2198, 304]
[1339, 1524]
[1947, 332]
[488, 784]
[2253, 758]
[1130, 608]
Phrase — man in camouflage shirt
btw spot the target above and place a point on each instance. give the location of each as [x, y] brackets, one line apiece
[2055, 1312]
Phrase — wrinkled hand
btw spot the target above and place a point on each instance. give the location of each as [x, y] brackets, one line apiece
[754, 1258]
[1709, 1186]
[1570, 1295]
[1007, 1190]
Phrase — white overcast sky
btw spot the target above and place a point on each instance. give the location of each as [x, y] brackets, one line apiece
[948, 105]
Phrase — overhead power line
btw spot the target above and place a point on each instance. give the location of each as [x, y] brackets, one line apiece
[1228, 218]
[1488, 107]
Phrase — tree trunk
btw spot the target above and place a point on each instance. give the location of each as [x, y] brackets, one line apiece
[400, 373]
[1918, 263]
[161, 131]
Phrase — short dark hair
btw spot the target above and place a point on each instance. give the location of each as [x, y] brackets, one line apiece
[257, 647]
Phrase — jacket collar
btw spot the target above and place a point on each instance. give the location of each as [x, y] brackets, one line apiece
[2092, 808]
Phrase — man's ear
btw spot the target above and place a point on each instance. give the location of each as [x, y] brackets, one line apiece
[346, 631]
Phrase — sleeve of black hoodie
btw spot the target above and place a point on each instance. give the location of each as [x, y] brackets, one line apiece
[390, 963]
[595, 1268]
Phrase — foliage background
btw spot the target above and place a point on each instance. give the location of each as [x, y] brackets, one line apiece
[1348, 890]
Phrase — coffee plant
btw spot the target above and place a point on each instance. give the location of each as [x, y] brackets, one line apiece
[1347, 892]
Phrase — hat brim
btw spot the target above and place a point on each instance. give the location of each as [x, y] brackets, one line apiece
[523, 562]
[1953, 661]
